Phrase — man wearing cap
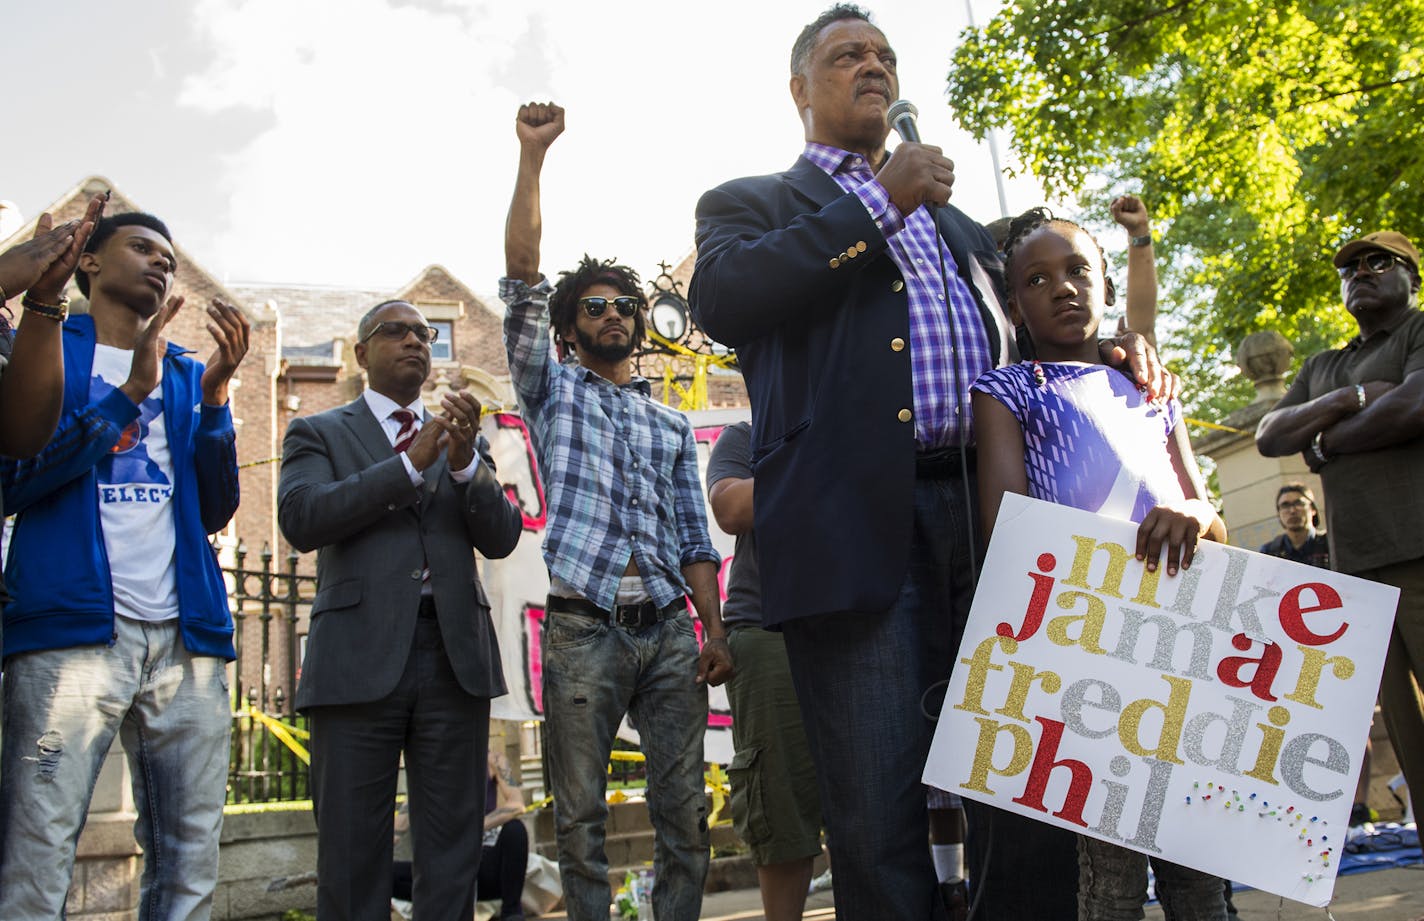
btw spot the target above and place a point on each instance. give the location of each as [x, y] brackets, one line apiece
[1355, 413]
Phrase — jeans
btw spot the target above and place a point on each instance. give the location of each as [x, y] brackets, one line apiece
[865, 682]
[594, 673]
[1112, 886]
[62, 709]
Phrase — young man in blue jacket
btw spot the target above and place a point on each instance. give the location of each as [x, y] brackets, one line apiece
[119, 621]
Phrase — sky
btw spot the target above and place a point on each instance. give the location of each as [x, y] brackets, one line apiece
[354, 142]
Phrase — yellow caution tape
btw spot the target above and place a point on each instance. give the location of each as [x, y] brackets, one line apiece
[286, 734]
[721, 361]
[694, 397]
[1202, 423]
[717, 780]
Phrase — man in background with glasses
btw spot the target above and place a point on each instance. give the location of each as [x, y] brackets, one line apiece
[1299, 540]
[626, 545]
[401, 654]
[1357, 415]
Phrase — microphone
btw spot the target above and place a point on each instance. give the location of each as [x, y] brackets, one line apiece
[901, 116]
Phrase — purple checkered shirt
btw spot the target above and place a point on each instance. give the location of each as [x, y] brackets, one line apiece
[941, 401]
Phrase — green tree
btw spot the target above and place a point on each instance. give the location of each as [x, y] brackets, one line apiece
[1262, 135]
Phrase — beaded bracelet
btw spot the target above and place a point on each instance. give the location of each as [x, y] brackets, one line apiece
[1317, 446]
[57, 312]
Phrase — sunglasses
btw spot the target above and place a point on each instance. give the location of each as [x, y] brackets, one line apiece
[594, 307]
[394, 329]
[1376, 262]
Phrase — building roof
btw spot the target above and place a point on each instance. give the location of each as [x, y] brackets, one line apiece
[316, 315]
[313, 315]
[71, 204]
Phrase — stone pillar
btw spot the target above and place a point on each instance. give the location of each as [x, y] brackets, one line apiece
[1249, 481]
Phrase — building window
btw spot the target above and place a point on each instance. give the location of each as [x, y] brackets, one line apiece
[443, 348]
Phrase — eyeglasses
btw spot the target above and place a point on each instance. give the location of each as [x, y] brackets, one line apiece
[1298, 503]
[394, 329]
[1377, 262]
[595, 306]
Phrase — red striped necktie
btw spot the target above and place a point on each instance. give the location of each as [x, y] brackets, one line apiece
[408, 429]
[404, 437]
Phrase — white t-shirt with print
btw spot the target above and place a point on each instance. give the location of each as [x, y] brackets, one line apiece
[135, 499]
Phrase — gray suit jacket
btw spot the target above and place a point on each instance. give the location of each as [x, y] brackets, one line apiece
[345, 493]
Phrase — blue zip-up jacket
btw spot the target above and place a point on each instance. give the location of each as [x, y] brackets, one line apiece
[58, 574]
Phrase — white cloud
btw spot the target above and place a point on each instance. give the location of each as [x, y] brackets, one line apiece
[391, 144]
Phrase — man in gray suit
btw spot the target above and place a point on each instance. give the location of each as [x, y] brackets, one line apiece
[401, 654]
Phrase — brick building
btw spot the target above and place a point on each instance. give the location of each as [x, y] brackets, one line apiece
[301, 359]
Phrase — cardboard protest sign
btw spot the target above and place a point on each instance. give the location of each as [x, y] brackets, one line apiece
[1216, 718]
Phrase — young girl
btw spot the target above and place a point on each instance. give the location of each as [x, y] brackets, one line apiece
[1068, 429]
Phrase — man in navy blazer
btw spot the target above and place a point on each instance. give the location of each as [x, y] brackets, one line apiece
[861, 511]
[827, 281]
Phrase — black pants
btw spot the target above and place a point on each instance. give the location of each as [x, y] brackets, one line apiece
[356, 756]
[999, 845]
[501, 870]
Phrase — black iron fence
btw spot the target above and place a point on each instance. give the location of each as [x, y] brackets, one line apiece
[268, 761]
[270, 610]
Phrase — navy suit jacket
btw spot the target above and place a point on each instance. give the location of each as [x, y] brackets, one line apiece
[823, 345]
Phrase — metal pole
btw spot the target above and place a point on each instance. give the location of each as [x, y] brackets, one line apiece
[993, 137]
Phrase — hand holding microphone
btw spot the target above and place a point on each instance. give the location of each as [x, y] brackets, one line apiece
[916, 174]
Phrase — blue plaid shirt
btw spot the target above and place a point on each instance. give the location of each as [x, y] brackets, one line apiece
[619, 468]
[941, 401]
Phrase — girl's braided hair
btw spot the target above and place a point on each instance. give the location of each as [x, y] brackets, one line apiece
[1032, 219]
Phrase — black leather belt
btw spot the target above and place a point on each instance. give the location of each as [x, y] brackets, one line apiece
[631, 616]
[427, 606]
[943, 463]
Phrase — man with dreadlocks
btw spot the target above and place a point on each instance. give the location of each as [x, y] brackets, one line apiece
[626, 544]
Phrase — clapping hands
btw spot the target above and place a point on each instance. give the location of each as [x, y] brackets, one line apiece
[43, 264]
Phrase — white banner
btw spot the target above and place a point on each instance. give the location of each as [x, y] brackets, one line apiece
[1216, 718]
[518, 584]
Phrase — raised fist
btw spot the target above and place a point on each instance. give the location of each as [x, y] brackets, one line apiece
[538, 123]
[1131, 213]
